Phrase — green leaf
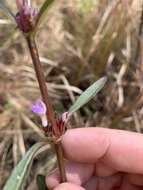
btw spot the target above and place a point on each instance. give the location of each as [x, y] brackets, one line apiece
[88, 94]
[20, 172]
[43, 10]
[6, 11]
[41, 182]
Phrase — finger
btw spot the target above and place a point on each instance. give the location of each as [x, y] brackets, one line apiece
[135, 179]
[91, 184]
[103, 170]
[121, 150]
[69, 186]
[127, 186]
[102, 183]
[77, 173]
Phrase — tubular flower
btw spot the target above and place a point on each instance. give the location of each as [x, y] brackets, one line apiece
[39, 109]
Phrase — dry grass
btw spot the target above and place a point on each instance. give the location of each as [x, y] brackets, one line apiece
[79, 42]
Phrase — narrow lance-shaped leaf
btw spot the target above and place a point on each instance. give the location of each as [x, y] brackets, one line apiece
[6, 11]
[88, 94]
[43, 11]
[19, 174]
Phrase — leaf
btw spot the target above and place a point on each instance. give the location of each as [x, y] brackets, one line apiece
[43, 11]
[41, 182]
[20, 172]
[88, 94]
[7, 12]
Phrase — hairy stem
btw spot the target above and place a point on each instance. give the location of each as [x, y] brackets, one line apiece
[60, 159]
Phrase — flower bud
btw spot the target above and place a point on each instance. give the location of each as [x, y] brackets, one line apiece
[26, 17]
[65, 117]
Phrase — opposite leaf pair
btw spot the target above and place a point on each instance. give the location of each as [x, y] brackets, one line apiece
[19, 174]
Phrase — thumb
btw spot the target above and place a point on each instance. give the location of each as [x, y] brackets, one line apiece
[68, 186]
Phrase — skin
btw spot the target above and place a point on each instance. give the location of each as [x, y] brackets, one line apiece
[100, 159]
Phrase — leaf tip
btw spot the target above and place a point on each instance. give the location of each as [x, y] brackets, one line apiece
[103, 80]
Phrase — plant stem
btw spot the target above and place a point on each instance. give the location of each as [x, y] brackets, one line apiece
[60, 159]
[41, 80]
[44, 92]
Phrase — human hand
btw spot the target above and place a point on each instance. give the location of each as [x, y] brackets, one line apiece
[103, 159]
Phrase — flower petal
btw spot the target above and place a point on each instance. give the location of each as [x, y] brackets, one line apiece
[39, 108]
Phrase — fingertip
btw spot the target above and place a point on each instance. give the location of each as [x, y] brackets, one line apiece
[114, 147]
[76, 173]
[69, 186]
[52, 180]
[85, 144]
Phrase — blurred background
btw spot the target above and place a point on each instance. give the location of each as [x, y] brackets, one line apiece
[79, 41]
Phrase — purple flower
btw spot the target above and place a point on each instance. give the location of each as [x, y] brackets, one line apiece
[26, 17]
[39, 109]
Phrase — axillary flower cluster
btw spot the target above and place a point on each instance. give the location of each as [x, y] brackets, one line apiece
[39, 109]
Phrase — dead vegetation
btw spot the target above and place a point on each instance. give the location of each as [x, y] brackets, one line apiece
[79, 42]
